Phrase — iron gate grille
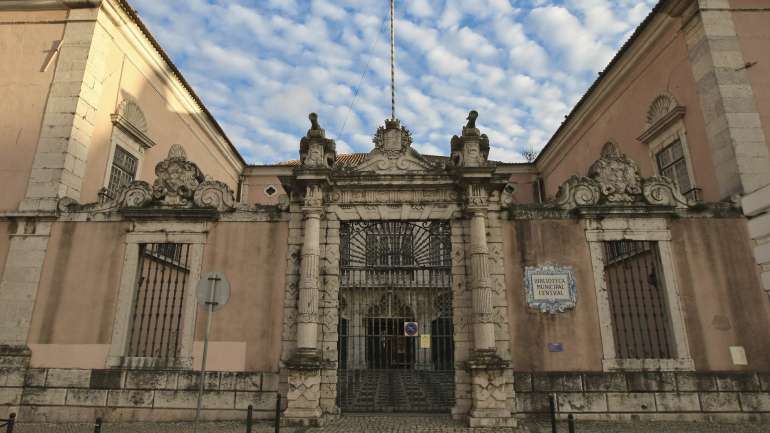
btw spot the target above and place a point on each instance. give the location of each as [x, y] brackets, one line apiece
[393, 273]
[157, 312]
[640, 320]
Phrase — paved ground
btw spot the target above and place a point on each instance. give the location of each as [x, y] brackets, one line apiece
[404, 424]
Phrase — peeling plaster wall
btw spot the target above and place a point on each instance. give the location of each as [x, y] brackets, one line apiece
[77, 293]
[253, 256]
[26, 42]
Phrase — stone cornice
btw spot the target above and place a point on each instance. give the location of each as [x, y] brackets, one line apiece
[10, 5]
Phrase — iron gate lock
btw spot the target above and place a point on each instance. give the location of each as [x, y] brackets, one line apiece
[411, 329]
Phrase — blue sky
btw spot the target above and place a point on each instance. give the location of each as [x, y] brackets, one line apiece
[262, 66]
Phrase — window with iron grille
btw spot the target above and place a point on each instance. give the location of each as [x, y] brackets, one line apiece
[156, 320]
[673, 164]
[123, 171]
[641, 322]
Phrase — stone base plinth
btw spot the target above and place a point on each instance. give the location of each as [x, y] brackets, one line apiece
[304, 397]
[491, 391]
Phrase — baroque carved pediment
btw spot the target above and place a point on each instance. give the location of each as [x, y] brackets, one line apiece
[393, 153]
[614, 179]
[179, 184]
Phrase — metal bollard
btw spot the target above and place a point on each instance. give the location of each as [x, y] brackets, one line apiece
[571, 421]
[98, 425]
[278, 413]
[11, 422]
[552, 410]
[249, 414]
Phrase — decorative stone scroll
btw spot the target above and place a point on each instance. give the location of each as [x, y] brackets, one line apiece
[550, 288]
[315, 150]
[472, 148]
[392, 153]
[179, 184]
[614, 179]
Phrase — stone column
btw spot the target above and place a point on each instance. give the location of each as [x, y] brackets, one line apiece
[491, 375]
[304, 373]
[483, 326]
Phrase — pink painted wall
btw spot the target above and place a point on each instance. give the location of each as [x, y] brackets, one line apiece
[620, 116]
[26, 41]
[253, 256]
[129, 74]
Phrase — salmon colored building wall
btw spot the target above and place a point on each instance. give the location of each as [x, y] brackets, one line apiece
[721, 293]
[620, 115]
[753, 28]
[255, 189]
[172, 117]
[253, 256]
[74, 311]
[535, 243]
[26, 43]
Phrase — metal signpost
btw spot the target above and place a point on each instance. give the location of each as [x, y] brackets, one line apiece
[213, 292]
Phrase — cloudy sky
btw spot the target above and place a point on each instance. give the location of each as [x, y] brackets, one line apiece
[262, 65]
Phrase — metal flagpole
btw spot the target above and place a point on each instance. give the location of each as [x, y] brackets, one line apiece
[392, 59]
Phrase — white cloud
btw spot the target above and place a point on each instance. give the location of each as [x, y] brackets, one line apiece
[262, 66]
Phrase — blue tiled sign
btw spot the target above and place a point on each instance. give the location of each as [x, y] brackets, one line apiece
[550, 288]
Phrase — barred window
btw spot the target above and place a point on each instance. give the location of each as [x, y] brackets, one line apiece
[672, 164]
[123, 171]
[156, 320]
[641, 322]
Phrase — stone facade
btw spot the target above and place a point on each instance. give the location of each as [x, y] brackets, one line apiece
[506, 358]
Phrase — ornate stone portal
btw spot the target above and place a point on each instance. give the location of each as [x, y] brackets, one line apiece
[394, 182]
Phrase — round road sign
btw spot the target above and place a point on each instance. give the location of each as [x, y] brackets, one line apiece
[213, 289]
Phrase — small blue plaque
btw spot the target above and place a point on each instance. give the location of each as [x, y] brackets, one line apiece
[555, 347]
[411, 329]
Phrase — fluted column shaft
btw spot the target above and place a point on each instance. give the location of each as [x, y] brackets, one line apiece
[483, 325]
[307, 321]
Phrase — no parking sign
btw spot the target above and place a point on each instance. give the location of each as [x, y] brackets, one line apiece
[411, 329]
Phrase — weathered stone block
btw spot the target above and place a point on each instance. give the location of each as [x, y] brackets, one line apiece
[531, 402]
[764, 380]
[695, 382]
[755, 401]
[87, 397]
[522, 382]
[176, 399]
[68, 378]
[719, 402]
[10, 396]
[738, 382]
[605, 382]
[649, 381]
[248, 381]
[581, 402]
[11, 376]
[106, 379]
[130, 398]
[190, 380]
[677, 401]
[35, 377]
[259, 400]
[630, 402]
[557, 382]
[44, 396]
[138, 379]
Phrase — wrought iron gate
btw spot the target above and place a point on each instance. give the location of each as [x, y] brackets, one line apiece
[396, 352]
